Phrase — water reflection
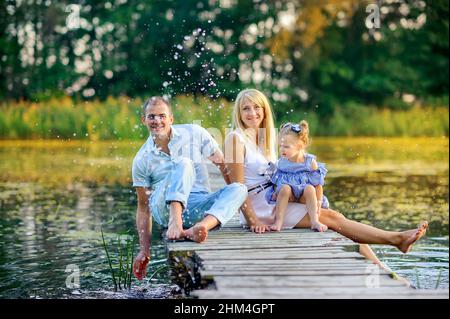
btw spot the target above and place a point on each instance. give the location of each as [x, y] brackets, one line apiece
[43, 230]
[54, 198]
[396, 202]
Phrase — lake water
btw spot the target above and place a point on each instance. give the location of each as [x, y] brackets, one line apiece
[57, 196]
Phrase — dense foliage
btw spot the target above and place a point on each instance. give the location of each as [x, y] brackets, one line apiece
[306, 55]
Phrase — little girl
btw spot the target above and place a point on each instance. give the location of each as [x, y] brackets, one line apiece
[298, 178]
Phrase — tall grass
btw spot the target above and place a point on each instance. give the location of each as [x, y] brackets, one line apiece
[119, 119]
[367, 121]
[121, 274]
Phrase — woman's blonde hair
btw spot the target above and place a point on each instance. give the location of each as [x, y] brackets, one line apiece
[300, 131]
[266, 141]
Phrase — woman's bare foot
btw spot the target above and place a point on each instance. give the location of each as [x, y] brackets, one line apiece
[276, 226]
[197, 233]
[317, 226]
[411, 236]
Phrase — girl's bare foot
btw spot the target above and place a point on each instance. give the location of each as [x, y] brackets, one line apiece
[276, 226]
[197, 233]
[411, 236]
[317, 226]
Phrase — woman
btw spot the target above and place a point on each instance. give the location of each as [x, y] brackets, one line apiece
[248, 150]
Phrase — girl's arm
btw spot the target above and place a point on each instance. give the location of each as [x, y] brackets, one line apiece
[234, 161]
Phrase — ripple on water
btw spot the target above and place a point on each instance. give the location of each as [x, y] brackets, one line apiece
[426, 266]
[47, 225]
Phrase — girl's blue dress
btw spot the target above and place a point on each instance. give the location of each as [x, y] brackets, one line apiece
[297, 175]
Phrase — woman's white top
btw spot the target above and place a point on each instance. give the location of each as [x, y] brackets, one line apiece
[255, 164]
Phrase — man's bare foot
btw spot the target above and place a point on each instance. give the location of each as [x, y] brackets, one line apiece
[276, 226]
[411, 236]
[197, 233]
[175, 232]
[317, 226]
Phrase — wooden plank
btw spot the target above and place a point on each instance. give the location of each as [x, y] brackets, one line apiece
[274, 272]
[276, 255]
[282, 268]
[236, 237]
[286, 264]
[296, 263]
[228, 282]
[227, 246]
[323, 293]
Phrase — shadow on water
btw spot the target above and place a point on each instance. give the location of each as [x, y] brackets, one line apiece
[56, 196]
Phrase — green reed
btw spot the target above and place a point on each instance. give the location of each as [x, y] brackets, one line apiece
[119, 119]
[109, 261]
[438, 279]
[354, 120]
[157, 271]
[121, 273]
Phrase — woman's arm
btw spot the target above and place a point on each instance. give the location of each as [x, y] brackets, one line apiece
[319, 195]
[234, 161]
[314, 165]
[319, 188]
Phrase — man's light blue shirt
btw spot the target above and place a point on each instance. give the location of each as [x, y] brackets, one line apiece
[151, 165]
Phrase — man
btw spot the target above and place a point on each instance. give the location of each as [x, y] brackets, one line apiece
[171, 180]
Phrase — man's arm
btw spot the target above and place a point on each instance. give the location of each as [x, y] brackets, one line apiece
[144, 228]
[219, 160]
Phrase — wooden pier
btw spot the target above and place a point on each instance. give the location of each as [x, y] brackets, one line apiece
[293, 264]
[234, 263]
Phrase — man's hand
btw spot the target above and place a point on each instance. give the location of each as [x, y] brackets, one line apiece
[218, 159]
[140, 265]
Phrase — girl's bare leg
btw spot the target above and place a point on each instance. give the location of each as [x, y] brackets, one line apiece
[366, 234]
[309, 195]
[284, 195]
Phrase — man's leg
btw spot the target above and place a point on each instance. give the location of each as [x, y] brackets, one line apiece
[213, 209]
[175, 225]
[199, 232]
[170, 199]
